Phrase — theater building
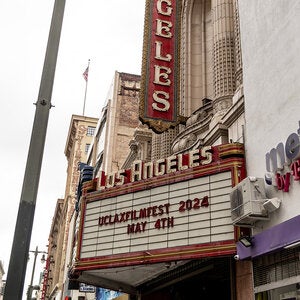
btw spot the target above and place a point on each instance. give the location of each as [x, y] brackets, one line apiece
[162, 229]
[219, 94]
[159, 226]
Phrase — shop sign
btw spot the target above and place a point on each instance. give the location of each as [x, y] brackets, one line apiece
[159, 96]
[283, 162]
[84, 288]
[46, 277]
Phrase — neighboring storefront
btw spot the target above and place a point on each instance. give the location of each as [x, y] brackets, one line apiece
[271, 67]
[275, 249]
[161, 226]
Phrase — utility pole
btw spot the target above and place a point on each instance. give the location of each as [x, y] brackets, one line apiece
[21, 242]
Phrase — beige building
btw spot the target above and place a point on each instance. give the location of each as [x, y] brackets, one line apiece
[118, 125]
[52, 272]
[80, 135]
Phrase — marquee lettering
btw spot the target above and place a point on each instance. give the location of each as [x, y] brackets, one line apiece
[160, 212]
[141, 171]
[134, 215]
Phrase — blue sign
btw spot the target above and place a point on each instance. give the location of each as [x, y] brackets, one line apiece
[104, 294]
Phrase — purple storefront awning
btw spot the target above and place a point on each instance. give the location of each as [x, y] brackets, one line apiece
[272, 239]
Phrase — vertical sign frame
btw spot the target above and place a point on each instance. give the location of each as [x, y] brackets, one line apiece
[159, 97]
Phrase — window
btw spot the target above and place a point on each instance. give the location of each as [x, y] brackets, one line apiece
[90, 131]
[87, 146]
[276, 266]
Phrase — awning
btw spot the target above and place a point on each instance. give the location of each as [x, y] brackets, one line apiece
[275, 238]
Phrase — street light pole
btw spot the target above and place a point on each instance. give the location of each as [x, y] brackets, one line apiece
[21, 242]
[30, 287]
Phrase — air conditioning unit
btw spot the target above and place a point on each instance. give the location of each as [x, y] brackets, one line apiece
[246, 200]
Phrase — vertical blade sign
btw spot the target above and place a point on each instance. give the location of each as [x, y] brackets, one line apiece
[159, 103]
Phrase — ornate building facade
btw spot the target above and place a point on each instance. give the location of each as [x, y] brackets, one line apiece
[212, 105]
[80, 135]
[129, 234]
[118, 125]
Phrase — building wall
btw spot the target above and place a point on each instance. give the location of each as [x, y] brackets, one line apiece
[76, 151]
[77, 140]
[244, 282]
[123, 119]
[270, 46]
[117, 124]
[54, 249]
[109, 148]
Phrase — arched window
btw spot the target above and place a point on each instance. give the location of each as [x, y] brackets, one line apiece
[197, 48]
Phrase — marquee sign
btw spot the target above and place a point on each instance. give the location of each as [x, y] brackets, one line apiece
[159, 103]
[182, 214]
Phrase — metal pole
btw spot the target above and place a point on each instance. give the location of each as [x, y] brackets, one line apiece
[29, 293]
[30, 287]
[86, 84]
[20, 248]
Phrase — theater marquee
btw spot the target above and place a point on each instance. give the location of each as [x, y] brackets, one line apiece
[159, 103]
[181, 214]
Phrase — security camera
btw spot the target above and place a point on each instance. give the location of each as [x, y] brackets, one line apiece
[236, 257]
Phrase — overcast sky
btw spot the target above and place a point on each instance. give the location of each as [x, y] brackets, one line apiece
[109, 33]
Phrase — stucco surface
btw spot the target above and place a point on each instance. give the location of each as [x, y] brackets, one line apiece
[270, 46]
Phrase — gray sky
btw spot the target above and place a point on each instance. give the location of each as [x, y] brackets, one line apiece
[109, 33]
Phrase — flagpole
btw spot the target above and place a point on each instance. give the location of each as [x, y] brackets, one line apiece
[86, 84]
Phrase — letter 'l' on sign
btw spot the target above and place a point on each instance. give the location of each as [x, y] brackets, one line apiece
[159, 97]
